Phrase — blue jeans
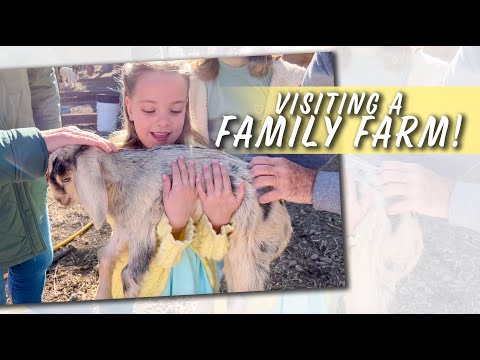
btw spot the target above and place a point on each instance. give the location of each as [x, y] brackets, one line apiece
[27, 280]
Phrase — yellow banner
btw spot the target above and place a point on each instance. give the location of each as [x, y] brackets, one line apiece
[350, 120]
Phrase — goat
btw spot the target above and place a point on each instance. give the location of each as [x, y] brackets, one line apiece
[69, 76]
[126, 186]
[384, 249]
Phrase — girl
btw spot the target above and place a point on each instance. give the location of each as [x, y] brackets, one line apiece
[155, 110]
[212, 98]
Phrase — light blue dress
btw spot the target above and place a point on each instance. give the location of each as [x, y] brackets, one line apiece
[223, 97]
[188, 277]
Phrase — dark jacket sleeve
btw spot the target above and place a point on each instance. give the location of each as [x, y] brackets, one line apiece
[45, 98]
[23, 155]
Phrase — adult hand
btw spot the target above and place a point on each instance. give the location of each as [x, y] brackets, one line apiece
[72, 135]
[290, 182]
[420, 190]
[218, 202]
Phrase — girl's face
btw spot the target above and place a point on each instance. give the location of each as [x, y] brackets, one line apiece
[157, 107]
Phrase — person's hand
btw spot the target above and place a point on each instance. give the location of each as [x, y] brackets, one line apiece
[290, 182]
[419, 189]
[179, 194]
[72, 135]
[218, 202]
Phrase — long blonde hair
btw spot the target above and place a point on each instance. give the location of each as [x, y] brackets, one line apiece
[127, 137]
[207, 69]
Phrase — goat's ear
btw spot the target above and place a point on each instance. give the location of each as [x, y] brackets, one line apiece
[51, 159]
[91, 190]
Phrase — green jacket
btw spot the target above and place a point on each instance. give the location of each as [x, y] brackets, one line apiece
[29, 102]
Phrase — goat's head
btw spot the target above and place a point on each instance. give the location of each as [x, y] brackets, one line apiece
[75, 176]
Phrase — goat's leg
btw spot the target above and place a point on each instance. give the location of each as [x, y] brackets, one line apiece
[141, 251]
[243, 269]
[247, 264]
[242, 272]
[106, 257]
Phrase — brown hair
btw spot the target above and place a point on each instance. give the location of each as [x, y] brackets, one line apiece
[207, 69]
[127, 137]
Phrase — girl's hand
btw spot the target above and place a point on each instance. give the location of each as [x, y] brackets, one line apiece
[218, 202]
[179, 195]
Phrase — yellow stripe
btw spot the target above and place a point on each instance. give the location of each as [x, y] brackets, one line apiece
[424, 103]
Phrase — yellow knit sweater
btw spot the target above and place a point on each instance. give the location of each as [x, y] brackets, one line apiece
[200, 236]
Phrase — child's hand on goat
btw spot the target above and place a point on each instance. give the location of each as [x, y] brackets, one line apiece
[179, 194]
[218, 202]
